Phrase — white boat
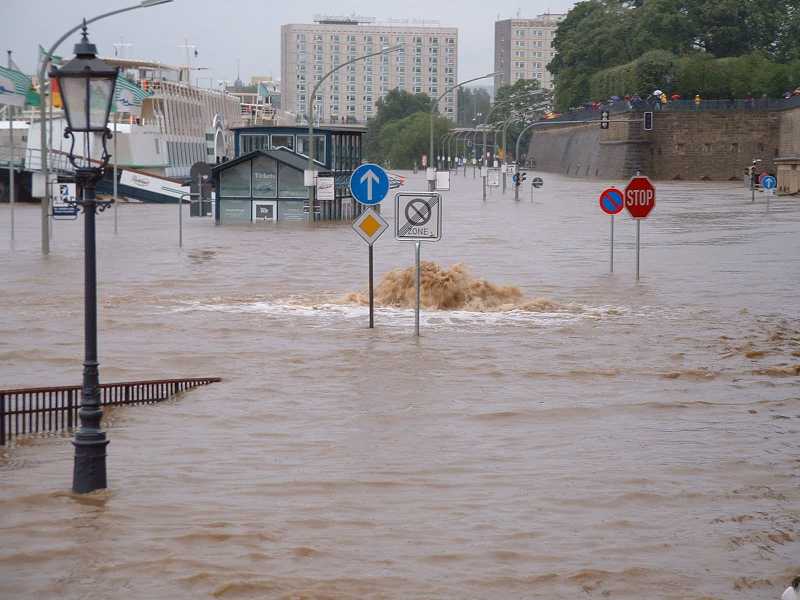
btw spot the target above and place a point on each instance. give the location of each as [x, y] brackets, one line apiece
[178, 125]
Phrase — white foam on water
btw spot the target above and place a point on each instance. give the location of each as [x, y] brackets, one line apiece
[328, 313]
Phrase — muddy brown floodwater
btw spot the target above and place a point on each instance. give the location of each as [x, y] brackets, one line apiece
[556, 432]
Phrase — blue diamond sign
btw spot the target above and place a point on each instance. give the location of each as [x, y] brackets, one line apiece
[369, 184]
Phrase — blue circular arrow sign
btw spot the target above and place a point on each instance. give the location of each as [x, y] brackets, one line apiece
[769, 182]
[369, 184]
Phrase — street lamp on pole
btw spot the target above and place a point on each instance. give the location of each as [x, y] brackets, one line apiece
[310, 117]
[434, 107]
[87, 88]
[46, 58]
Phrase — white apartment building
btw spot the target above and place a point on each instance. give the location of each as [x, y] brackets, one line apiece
[427, 63]
[523, 48]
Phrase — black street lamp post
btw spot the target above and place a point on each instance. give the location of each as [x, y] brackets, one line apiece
[87, 87]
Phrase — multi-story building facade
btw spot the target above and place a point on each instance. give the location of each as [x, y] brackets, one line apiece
[427, 63]
[523, 48]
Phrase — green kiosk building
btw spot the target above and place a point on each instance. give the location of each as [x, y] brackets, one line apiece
[264, 182]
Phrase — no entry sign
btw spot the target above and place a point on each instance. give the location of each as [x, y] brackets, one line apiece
[611, 201]
[640, 197]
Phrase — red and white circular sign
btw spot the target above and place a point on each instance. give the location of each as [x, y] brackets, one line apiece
[640, 197]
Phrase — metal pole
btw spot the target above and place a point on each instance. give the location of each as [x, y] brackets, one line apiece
[434, 107]
[116, 201]
[90, 442]
[371, 293]
[45, 213]
[416, 313]
[638, 222]
[180, 221]
[311, 145]
[12, 189]
[612, 244]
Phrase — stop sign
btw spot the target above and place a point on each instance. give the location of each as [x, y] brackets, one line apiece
[640, 197]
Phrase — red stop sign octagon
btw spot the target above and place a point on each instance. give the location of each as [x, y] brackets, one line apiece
[640, 197]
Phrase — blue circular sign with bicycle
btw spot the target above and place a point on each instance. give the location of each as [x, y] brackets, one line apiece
[369, 184]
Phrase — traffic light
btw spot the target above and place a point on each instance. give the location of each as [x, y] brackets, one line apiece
[519, 178]
[648, 121]
[604, 116]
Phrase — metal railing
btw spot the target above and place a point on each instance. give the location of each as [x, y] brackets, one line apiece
[49, 409]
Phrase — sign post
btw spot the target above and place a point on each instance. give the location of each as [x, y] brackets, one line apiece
[536, 183]
[611, 203]
[769, 183]
[369, 226]
[369, 185]
[640, 200]
[418, 218]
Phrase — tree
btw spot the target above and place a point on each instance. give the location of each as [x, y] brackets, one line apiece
[397, 105]
[471, 103]
[404, 141]
[525, 96]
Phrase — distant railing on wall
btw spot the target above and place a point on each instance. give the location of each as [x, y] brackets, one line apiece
[37, 410]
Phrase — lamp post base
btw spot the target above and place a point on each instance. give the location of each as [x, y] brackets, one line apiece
[89, 472]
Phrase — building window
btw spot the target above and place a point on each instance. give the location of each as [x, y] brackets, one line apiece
[286, 141]
[235, 181]
[249, 142]
[265, 176]
[290, 182]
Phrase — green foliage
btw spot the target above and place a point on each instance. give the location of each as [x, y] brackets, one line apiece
[404, 141]
[525, 96]
[397, 105]
[753, 75]
[605, 47]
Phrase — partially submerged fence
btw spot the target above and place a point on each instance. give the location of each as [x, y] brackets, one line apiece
[35, 410]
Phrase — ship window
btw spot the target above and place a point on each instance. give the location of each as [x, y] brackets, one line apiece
[235, 181]
[290, 182]
[265, 177]
[285, 141]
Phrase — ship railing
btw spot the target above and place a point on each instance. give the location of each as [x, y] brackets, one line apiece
[52, 409]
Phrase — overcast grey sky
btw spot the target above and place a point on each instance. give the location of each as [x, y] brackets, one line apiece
[247, 30]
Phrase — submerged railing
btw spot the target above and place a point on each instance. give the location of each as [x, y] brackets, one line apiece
[38, 410]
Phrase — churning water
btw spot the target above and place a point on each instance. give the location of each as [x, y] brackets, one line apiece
[556, 432]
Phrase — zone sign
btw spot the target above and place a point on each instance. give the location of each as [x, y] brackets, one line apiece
[640, 197]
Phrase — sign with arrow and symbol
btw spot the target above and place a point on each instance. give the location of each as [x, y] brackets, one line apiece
[369, 184]
[418, 216]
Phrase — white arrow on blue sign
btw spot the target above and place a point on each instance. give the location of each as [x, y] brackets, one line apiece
[769, 182]
[369, 184]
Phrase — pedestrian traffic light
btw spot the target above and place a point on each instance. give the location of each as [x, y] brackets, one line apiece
[604, 116]
[519, 178]
[648, 121]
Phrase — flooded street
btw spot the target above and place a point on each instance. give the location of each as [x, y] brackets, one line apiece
[582, 435]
